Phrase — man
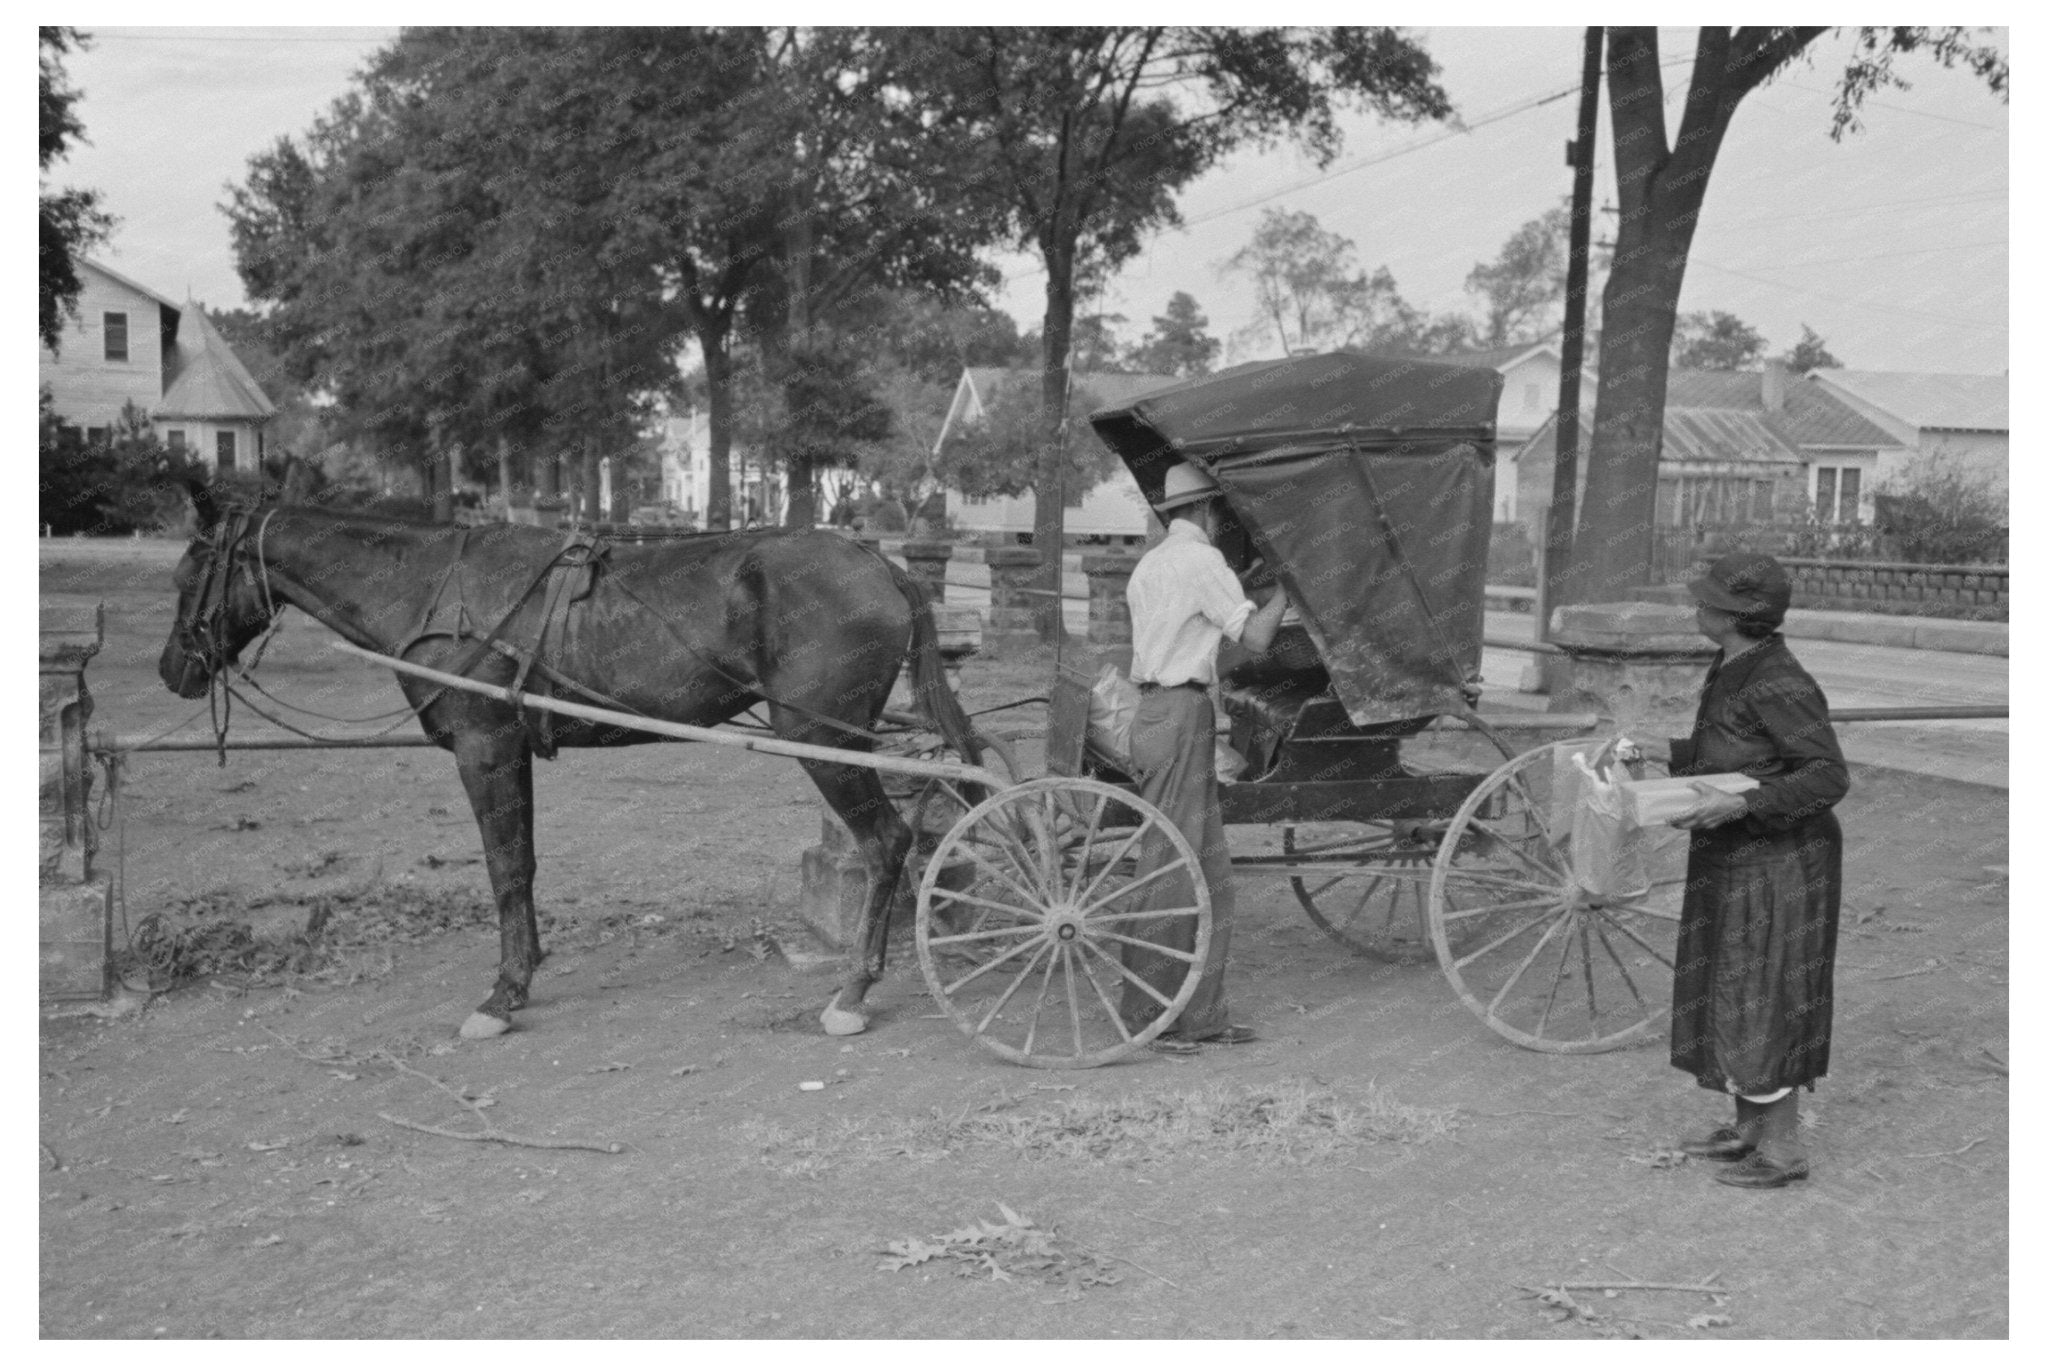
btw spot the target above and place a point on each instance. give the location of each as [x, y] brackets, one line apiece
[1184, 603]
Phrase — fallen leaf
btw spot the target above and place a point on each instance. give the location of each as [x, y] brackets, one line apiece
[612, 1067]
[257, 1145]
[272, 1241]
[1709, 1321]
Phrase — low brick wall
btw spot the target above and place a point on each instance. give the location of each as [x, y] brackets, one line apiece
[1862, 585]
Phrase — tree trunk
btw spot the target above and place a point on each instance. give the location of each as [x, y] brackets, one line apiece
[441, 478]
[547, 475]
[1049, 517]
[802, 508]
[592, 488]
[505, 475]
[718, 382]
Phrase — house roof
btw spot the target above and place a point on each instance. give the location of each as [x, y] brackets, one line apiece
[1811, 416]
[1967, 403]
[118, 278]
[1722, 434]
[206, 379]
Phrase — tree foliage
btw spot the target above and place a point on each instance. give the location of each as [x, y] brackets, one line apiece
[1005, 452]
[69, 222]
[1939, 511]
[1810, 353]
[1179, 342]
[1661, 180]
[1714, 341]
[1520, 289]
[1077, 139]
[1313, 296]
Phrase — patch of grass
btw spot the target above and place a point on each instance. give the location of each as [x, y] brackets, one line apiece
[345, 931]
[1282, 1123]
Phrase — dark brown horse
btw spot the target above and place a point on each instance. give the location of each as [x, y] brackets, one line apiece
[694, 631]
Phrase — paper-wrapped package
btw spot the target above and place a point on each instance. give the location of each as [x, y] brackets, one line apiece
[1654, 801]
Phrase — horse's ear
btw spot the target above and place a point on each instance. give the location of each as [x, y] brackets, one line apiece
[202, 501]
[301, 481]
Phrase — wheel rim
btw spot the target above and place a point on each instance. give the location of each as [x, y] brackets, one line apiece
[1529, 952]
[1026, 907]
[1381, 912]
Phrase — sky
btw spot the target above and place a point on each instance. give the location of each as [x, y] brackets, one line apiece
[1892, 244]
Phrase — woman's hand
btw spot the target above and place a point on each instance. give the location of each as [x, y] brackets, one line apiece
[1714, 807]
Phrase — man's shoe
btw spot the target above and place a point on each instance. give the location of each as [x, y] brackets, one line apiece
[1231, 1034]
[1725, 1144]
[1173, 1041]
[1757, 1172]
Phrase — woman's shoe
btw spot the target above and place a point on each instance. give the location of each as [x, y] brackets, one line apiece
[1725, 1144]
[1757, 1172]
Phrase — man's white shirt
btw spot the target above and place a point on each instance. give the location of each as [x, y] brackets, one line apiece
[1184, 602]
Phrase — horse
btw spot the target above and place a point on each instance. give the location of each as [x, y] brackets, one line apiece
[695, 630]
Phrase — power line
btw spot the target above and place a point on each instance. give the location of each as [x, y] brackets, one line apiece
[1889, 255]
[1851, 303]
[1966, 197]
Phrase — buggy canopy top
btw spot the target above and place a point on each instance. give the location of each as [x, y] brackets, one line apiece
[1366, 482]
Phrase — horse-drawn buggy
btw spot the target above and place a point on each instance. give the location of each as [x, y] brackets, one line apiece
[1363, 485]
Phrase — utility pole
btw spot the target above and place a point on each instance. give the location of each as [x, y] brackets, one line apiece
[1564, 486]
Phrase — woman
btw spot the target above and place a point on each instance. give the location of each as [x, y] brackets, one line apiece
[1752, 1002]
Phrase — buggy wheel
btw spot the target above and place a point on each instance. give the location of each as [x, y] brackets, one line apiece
[1541, 961]
[1026, 908]
[1374, 897]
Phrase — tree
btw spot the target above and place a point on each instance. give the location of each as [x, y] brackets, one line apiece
[1521, 286]
[1714, 341]
[1179, 342]
[1004, 453]
[1939, 511]
[1075, 141]
[1312, 297]
[1661, 183]
[70, 222]
[1810, 354]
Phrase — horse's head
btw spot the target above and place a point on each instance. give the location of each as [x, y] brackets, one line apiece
[222, 602]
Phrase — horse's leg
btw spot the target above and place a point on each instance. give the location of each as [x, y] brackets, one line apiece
[497, 773]
[856, 796]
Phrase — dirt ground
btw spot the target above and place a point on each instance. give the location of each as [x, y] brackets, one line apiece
[217, 1160]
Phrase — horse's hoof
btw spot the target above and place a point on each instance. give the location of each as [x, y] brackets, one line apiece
[482, 1026]
[839, 1022]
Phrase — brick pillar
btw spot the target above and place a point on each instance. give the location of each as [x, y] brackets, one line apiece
[1010, 626]
[927, 563]
[75, 903]
[1638, 664]
[1109, 612]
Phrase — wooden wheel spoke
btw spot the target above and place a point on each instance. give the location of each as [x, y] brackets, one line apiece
[1020, 853]
[1358, 843]
[1135, 883]
[1515, 933]
[1125, 917]
[981, 936]
[991, 965]
[1073, 999]
[975, 856]
[1523, 966]
[1642, 943]
[1022, 977]
[1106, 956]
[1556, 981]
[1087, 845]
[1586, 969]
[1130, 840]
[1181, 955]
[1021, 912]
[1619, 966]
[1502, 907]
[1109, 1007]
[1642, 909]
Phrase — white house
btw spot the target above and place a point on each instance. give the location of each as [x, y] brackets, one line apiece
[758, 494]
[1960, 416]
[1113, 508]
[129, 344]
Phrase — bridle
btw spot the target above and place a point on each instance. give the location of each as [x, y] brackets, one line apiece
[203, 634]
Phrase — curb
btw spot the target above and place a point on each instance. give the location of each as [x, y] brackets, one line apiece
[1848, 628]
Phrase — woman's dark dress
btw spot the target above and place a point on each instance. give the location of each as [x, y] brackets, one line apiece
[1753, 998]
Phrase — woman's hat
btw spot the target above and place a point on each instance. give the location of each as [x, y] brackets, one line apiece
[1754, 587]
[1186, 484]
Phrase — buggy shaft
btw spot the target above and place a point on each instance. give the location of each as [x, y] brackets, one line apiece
[677, 730]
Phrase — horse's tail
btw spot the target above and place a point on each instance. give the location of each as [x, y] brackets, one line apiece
[928, 672]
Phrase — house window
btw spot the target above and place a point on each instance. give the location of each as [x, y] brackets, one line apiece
[176, 439]
[1837, 493]
[116, 329]
[95, 436]
[224, 450]
[1712, 499]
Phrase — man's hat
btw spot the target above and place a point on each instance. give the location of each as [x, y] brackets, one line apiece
[1754, 587]
[1186, 484]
